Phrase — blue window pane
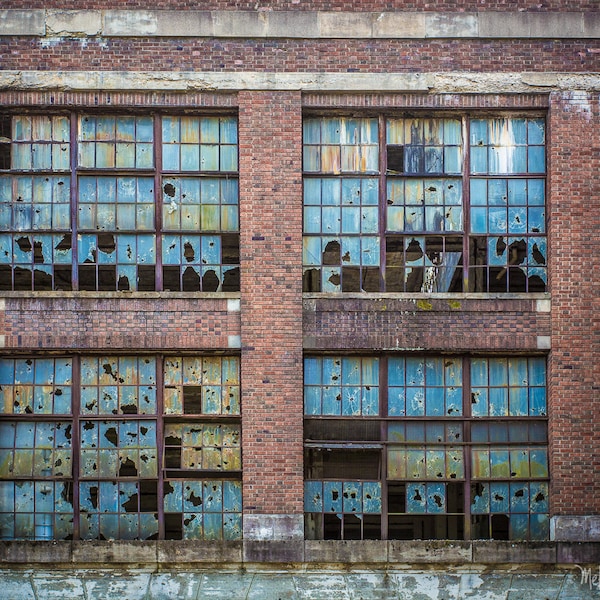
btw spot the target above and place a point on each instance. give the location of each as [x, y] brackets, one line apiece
[479, 219]
[536, 159]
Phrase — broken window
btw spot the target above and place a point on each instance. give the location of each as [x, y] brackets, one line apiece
[414, 218]
[131, 217]
[435, 446]
[93, 463]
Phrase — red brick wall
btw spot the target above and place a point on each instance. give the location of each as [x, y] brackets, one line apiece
[366, 56]
[432, 324]
[270, 142]
[574, 218]
[120, 322]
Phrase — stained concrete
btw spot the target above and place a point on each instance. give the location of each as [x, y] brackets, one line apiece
[99, 584]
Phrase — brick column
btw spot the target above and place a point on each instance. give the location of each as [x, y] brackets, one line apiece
[270, 131]
[574, 374]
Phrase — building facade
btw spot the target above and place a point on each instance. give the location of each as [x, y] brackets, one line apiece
[282, 276]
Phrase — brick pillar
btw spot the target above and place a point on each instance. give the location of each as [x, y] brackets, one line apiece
[574, 373]
[270, 142]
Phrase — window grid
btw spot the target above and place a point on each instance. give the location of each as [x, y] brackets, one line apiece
[100, 465]
[481, 179]
[438, 453]
[130, 217]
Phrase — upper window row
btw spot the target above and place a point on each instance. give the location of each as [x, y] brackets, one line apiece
[424, 204]
[119, 203]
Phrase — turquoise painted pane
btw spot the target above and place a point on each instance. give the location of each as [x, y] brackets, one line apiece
[539, 527]
[434, 402]
[311, 247]
[170, 129]
[23, 371]
[332, 400]
[370, 401]
[369, 219]
[332, 496]
[538, 497]
[480, 499]
[312, 400]
[331, 220]
[312, 371]
[171, 250]
[191, 158]
[370, 192]
[496, 251]
[517, 371]
[536, 220]
[452, 159]
[453, 192]
[330, 192]
[352, 497]
[416, 498]
[213, 496]
[479, 159]
[519, 131]
[232, 496]
[478, 220]
[350, 251]
[370, 251]
[497, 220]
[538, 459]
[434, 159]
[453, 371]
[396, 402]
[415, 401]
[351, 401]
[415, 371]
[517, 398]
[371, 500]
[498, 371]
[434, 371]
[537, 371]
[312, 192]
[395, 371]
[498, 402]
[311, 159]
[415, 431]
[517, 192]
[209, 130]
[519, 497]
[170, 157]
[395, 218]
[517, 220]
[311, 131]
[211, 249]
[497, 195]
[414, 218]
[499, 464]
[228, 158]
[536, 159]
[232, 526]
[479, 373]
[536, 192]
[435, 463]
[397, 432]
[191, 496]
[228, 130]
[330, 131]
[536, 131]
[351, 371]
[499, 497]
[351, 219]
[436, 498]
[434, 218]
[519, 462]
[453, 401]
[479, 132]
[42, 156]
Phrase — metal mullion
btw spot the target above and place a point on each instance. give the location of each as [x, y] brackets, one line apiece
[160, 445]
[76, 441]
[382, 200]
[158, 222]
[466, 397]
[466, 199]
[74, 120]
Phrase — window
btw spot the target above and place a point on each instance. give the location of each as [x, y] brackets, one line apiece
[119, 202]
[441, 204]
[102, 447]
[425, 447]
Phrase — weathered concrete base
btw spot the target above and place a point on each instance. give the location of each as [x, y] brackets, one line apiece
[575, 528]
[294, 551]
[135, 584]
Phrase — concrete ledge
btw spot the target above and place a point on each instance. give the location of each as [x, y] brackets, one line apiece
[498, 552]
[573, 528]
[357, 552]
[313, 554]
[430, 552]
[299, 24]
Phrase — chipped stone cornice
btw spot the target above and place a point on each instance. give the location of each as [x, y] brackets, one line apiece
[435, 82]
[299, 24]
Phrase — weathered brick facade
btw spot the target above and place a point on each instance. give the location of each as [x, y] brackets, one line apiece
[270, 83]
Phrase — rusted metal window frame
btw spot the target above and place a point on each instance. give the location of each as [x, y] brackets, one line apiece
[76, 419]
[156, 173]
[382, 442]
[467, 239]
